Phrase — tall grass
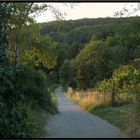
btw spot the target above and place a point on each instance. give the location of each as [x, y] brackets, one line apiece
[125, 115]
[90, 98]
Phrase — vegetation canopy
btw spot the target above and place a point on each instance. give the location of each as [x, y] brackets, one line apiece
[87, 55]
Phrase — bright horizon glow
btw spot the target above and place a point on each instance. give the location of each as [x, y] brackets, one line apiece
[85, 10]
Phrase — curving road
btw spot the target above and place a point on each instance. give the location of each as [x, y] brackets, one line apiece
[73, 122]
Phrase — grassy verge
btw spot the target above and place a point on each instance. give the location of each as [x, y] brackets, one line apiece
[122, 117]
[125, 116]
[43, 117]
[53, 87]
[54, 108]
[114, 115]
[53, 97]
[38, 118]
[54, 103]
[32, 126]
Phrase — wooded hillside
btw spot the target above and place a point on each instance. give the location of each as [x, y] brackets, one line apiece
[99, 54]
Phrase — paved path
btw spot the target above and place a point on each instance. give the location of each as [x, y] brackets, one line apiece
[73, 122]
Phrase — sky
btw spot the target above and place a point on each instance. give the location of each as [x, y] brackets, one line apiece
[85, 10]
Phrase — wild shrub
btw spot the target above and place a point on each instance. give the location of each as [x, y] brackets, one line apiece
[66, 73]
[126, 81]
[21, 85]
[34, 87]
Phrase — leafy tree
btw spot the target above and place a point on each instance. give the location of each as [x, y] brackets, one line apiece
[4, 14]
[90, 64]
[72, 36]
[20, 15]
[23, 89]
[66, 73]
[23, 14]
[40, 50]
[125, 79]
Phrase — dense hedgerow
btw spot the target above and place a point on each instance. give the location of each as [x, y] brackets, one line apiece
[23, 91]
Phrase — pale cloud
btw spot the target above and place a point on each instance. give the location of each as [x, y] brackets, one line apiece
[85, 10]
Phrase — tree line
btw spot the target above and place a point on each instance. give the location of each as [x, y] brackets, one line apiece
[102, 53]
[25, 96]
[98, 53]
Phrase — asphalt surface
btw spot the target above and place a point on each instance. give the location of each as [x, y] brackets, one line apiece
[74, 122]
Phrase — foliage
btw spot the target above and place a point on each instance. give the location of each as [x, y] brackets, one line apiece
[66, 74]
[89, 64]
[73, 35]
[99, 53]
[105, 52]
[80, 53]
[126, 81]
[52, 78]
[40, 50]
[21, 16]
[19, 122]
[20, 85]
[4, 13]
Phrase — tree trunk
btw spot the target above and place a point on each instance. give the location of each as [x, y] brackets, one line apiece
[16, 55]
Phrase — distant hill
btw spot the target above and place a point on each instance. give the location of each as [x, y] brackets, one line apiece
[72, 35]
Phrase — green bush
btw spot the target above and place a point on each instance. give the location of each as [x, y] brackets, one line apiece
[21, 85]
[34, 88]
[31, 124]
[66, 74]
[126, 81]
